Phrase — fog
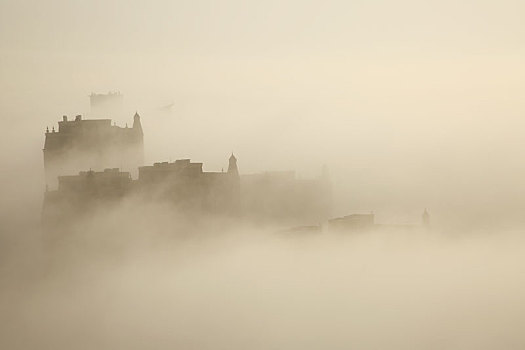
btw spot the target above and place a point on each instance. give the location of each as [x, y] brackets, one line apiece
[409, 104]
[113, 283]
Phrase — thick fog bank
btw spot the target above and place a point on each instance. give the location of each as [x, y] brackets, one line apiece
[125, 281]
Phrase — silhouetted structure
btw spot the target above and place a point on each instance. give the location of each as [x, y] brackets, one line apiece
[186, 185]
[366, 222]
[103, 105]
[352, 222]
[263, 198]
[95, 143]
[83, 193]
[232, 166]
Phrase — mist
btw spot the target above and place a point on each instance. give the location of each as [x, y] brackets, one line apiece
[121, 282]
[409, 104]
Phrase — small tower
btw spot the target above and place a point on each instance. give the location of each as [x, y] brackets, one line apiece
[232, 166]
[136, 123]
[425, 218]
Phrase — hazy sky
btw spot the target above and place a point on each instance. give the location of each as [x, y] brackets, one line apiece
[410, 103]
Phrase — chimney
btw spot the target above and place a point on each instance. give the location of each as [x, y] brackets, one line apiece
[64, 118]
[78, 118]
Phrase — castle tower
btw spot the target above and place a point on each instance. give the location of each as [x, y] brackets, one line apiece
[136, 123]
[425, 218]
[135, 153]
[232, 166]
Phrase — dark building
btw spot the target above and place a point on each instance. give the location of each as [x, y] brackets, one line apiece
[272, 198]
[84, 193]
[78, 145]
[91, 144]
[182, 185]
[352, 222]
[186, 185]
[105, 184]
[232, 166]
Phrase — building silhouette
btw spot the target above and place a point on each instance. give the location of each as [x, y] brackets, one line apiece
[95, 144]
[90, 164]
[266, 198]
[185, 185]
[232, 166]
[352, 222]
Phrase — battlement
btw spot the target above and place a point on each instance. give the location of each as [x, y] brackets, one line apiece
[82, 125]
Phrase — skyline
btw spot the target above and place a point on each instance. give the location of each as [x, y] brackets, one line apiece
[309, 174]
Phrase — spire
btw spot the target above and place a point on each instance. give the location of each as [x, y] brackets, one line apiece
[232, 165]
[136, 122]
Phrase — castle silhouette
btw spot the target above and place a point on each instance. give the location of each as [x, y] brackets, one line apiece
[89, 165]
[81, 144]
[84, 162]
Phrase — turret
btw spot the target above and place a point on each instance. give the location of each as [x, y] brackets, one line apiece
[136, 123]
[232, 166]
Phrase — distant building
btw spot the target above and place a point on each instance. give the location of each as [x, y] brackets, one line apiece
[82, 194]
[82, 144]
[107, 183]
[232, 166]
[112, 153]
[181, 184]
[364, 222]
[273, 198]
[352, 222]
[104, 105]
[187, 186]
